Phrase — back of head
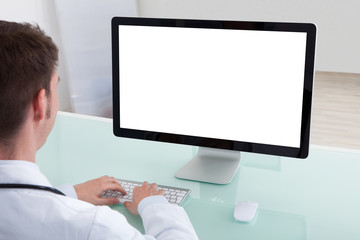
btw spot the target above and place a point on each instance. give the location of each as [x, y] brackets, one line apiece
[28, 59]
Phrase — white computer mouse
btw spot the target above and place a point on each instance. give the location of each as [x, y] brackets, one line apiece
[245, 211]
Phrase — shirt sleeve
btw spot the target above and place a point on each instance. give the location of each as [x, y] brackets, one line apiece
[68, 190]
[165, 221]
[110, 224]
[161, 221]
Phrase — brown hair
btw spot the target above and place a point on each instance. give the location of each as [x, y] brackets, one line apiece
[28, 59]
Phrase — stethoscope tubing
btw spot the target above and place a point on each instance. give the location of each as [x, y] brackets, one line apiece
[31, 186]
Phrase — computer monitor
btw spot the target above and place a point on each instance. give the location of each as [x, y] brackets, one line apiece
[225, 86]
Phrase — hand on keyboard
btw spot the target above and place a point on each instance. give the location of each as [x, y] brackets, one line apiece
[89, 191]
[174, 195]
[139, 193]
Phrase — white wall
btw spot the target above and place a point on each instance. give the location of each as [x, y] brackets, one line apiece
[338, 45]
[81, 30]
[85, 30]
[41, 12]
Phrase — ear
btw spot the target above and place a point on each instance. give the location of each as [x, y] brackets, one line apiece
[39, 105]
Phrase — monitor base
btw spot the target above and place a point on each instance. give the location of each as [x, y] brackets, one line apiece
[211, 165]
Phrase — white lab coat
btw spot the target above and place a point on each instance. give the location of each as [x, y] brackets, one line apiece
[38, 214]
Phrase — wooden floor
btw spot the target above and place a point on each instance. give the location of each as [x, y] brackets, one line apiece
[336, 110]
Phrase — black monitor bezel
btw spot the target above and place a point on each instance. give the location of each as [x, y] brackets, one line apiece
[301, 152]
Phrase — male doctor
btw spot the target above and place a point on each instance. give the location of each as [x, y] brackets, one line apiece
[30, 207]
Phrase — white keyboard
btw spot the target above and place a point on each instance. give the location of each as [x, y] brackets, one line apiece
[174, 195]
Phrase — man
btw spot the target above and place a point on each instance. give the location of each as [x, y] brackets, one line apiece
[30, 208]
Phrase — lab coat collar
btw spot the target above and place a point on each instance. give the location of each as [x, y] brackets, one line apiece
[19, 171]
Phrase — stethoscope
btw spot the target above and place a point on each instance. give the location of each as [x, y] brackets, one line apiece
[30, 186]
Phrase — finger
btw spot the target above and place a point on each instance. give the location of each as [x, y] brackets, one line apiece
[145, 184]
[105, 177]
[161, 192]
[108, 179]
[153, 186]
[114, 186]
[114, 180]
[127, 204]
[130, 207]
[107, 201]
[118, 187]
[122, 191]
[136, 188]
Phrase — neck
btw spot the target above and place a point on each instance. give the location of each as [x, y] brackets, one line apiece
[10, 153]
[20, 147]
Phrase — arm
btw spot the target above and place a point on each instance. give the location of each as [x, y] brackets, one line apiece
[165, 221]
[161, 219]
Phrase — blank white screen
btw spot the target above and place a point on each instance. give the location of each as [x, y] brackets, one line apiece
[237, 85]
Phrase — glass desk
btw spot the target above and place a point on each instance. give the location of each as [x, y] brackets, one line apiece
[317, 198]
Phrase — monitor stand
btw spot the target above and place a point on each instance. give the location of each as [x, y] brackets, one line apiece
[211, 165]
